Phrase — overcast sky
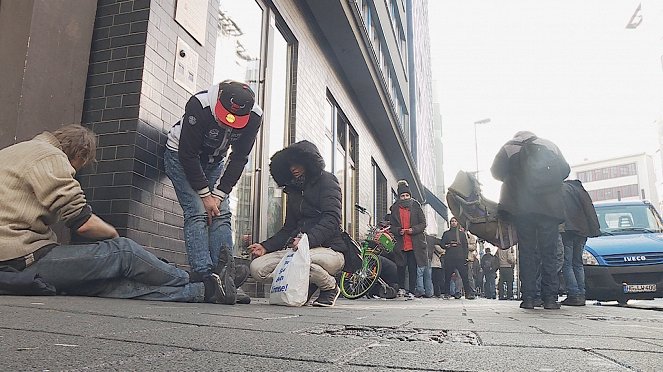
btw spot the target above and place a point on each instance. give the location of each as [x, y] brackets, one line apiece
[569, 71]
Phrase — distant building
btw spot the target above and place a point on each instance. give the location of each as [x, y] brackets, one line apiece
[624, 178]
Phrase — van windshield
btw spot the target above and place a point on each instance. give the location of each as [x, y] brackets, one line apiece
[628, 219]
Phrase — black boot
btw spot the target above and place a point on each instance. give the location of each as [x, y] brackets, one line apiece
[225, 269]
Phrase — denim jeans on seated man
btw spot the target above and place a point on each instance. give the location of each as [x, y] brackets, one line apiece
[115, 268]
[203, 240]
[325, 263]
[537, 241]
[424, 281]
[574, 272]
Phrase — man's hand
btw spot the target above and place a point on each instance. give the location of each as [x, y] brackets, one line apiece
[257, 250]
[401, 231]
[211, 204]
[409, 231]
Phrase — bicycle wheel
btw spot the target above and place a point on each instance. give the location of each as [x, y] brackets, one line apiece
[356, 284]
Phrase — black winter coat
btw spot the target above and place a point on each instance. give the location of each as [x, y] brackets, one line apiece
[418, 225]
[580, 214]
[455, 243]
[516, 200]
[313, 207]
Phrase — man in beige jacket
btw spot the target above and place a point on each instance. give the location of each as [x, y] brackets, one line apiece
[38, 189]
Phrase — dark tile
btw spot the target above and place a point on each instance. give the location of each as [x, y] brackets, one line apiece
[140, 15]
[143, 183]
[119, 30]
[94, 104]
[136, 50]
[168, 231]
[100, 206]
[121, 165]
[108, 10]
[118, 76]
[108, 153]
[117, 65]
[128, 125]
[131, 99]
[100, 45]
[99, 79]
[120, 206]
[97, 68]
[131, 39]
[100, 33]
[112, 192]
[173, 219]
[126, 7]
[125, 152]
[115, 139]
[120, 113]
[113, 101]
[123, 88]
[120, 52]
[141, 4]
[91, 116]
[94, 92]
[140, 26]
[104, 21]
[122, 178]
[135, 62]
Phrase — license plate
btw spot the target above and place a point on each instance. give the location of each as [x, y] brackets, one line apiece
[639, 288]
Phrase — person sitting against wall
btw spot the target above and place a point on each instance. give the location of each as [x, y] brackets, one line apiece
[37, 190]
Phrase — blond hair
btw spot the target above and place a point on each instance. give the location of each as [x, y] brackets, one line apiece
[77, 142]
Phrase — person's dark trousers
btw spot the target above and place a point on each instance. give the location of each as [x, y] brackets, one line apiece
[438, 281]
[537, 242]
[489, 285]
[411, 263]
[506, 283]
[388, 273]
[457, 263]
[400, 271]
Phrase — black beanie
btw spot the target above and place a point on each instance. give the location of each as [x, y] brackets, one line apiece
[403, 187]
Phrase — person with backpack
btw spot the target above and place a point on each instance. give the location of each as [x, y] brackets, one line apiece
[532, 170]
[507, 261]
[581, 222]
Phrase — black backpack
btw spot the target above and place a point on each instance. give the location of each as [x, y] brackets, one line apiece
[539, 168]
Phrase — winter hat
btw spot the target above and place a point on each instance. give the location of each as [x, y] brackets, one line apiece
[403, 187]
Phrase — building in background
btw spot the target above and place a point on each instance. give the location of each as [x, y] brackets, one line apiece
[438, 151]
[422, 117]
[624, 178]
[334, 72]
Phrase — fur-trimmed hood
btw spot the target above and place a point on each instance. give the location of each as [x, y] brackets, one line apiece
[302, 152]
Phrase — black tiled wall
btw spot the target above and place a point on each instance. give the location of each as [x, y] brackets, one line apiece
[131, 101]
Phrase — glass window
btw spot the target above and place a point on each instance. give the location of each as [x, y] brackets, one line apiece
[237, 57]
[380, 191]
[276, 128]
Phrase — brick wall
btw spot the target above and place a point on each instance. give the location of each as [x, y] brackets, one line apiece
[131, 101]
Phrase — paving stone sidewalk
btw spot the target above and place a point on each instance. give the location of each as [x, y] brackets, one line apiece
[77, 333]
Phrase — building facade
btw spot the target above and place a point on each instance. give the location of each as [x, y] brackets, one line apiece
[625, 178]
[333, 72]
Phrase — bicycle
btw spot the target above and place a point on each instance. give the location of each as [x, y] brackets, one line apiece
[378, 240]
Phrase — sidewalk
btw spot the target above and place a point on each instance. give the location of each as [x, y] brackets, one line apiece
[76, 333]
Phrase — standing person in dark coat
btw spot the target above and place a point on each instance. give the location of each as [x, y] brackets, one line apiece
[454, 242]
[408, 224]
[489, 264]
[581, 222]
[313, 207]
[536, 211]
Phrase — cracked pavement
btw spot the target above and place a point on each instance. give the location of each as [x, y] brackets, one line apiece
[79, 333]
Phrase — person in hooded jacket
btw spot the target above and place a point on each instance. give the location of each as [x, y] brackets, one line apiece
[581, 222]
[536, 212]
[408, 224]
[313, 207]
[454, 241]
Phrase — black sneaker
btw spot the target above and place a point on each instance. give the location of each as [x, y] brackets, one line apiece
[242, 297]
[327, 298]
[470, 296]
[242, 272]
[217, 290]
[225, 269]
[574, 301]
[551, 305]
[527, 303]
[312, 288]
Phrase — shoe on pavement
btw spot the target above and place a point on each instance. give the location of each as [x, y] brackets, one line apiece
[327, 298]
[242, 272]
[551, 305]
[219, 290]
[457, 296]
[538, 302]
[527, 303]
[574, 301]
[242, 297]
[470, 297]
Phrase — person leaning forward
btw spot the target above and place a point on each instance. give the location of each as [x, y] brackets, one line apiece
[224, 117]
[38, 189]
[313, 207]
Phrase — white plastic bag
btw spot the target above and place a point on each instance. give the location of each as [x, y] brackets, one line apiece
[291, 276]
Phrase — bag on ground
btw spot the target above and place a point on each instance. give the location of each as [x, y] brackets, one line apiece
[291, 276]
[478, 214]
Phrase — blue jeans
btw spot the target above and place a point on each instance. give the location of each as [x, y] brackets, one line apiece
[574, 272]
[537, 240]
[115, 268]
[203, 241]
[424, 281]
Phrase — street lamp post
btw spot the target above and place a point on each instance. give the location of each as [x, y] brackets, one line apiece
[476, 145]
